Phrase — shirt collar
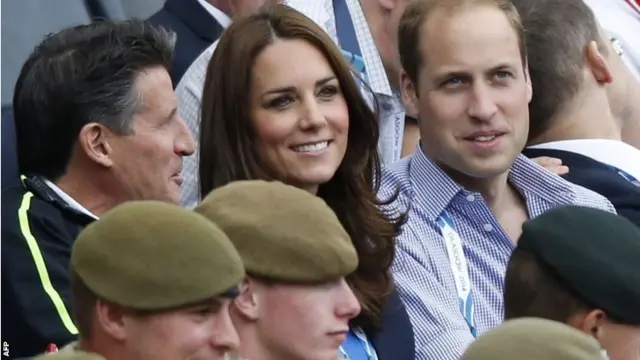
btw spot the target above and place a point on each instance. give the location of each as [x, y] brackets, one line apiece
[434, 190]
[611, 152]
[223, 19]
[69, 200]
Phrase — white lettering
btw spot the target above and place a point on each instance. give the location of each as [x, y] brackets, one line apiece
[5, 349]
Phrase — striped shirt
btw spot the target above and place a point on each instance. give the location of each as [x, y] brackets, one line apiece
[422, 270]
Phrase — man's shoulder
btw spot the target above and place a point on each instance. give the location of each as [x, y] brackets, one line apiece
[589, 198]
[552, 188]
[12, 196]
[26, 213]
[561, 191]
[17, 201]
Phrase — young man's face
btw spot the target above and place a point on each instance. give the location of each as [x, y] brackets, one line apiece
[201, 332]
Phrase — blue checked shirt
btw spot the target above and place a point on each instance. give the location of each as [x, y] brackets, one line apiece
[422, 270]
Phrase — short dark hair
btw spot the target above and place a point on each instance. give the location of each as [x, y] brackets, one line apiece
[228, 153]
[531, 289]
[556, 34]
[80, 75]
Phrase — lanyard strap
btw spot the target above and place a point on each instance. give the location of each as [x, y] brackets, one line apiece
[357, 338]
[459, 268]
[347, 36]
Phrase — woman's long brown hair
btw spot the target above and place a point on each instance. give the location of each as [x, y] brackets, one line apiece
[228, 152]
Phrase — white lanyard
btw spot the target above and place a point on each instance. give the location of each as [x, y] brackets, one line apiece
[459, 268]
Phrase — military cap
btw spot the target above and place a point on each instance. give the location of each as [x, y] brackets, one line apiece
[150, 255]
[534, 339]
[282, 233]
[594, 253]
[70, 355]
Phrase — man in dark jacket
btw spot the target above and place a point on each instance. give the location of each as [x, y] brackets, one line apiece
[581, 100]
[96, 125]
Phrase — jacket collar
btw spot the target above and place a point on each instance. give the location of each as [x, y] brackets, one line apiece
[196, 17]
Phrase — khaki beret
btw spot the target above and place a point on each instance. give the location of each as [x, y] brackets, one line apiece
[534, 339]
[150, 255]
[594, 252]
[282, 232]
[70, 355]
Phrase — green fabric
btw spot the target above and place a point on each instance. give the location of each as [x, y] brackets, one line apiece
[533, 339]
[282, 232]
[150, 255]
[594, 252]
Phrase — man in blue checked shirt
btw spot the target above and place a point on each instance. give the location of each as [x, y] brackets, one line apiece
[467, 189]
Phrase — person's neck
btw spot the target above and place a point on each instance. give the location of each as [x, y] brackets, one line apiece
[588, 116]
[251, 346]
[86, 192]
[224, 6]
[631, 133]
[631, 127]
[495, 190]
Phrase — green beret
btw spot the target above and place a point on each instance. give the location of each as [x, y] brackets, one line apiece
[70, 355]
[150, 255]
[595, 253]
[533, 339]
[281, 232]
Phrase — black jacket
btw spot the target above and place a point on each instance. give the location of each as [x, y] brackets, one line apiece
[598, 177]
[196, 30]
[38, 230]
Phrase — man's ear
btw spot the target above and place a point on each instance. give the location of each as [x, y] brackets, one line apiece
[590, 322]
[527, 77]
[409, 94]
[111, 319]
[387, 5]
[247, 302]
[94, 142]
[597, 63]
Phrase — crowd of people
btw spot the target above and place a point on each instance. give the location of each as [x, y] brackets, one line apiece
[328, 179]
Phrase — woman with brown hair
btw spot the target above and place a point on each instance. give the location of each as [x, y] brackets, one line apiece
[281, 103]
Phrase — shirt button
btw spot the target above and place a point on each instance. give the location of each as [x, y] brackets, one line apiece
[488, 227]
[471, 198]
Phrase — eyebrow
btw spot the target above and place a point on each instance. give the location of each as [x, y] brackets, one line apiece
[293, 88]
[457, 74]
